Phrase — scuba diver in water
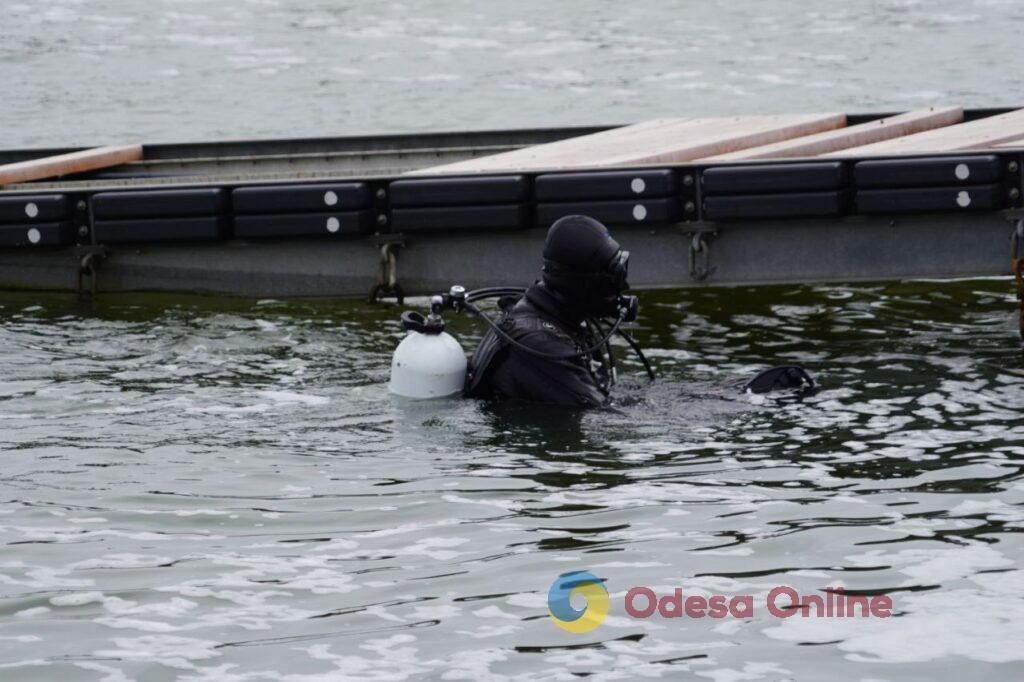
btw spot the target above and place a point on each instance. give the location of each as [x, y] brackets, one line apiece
[583, 278]
[549, 346]
[552, 342]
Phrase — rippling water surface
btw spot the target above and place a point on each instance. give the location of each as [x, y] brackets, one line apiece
[216, 489]
[210, 489]
[79, 72]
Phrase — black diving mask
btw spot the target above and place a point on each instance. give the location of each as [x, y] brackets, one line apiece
[612, 282]
[618, 267]
[599, 292]
[628, 306]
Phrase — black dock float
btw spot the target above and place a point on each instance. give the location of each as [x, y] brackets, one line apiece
[645, 212]
[774, 178]
[31, 208]
[288, 199]
[159, 203]
[342, 224]
[932, 171]
[603, 185]
[38, 234]
[930, 199]
[764, 206]
[138, 231]
[502, 189]
[459, 218]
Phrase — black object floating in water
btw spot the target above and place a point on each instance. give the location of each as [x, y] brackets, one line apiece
[781, 379]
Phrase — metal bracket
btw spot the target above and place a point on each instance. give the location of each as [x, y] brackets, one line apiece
[89, 258]
[1017, 268]
[1013, 183]
[387, 281]
[699, 253]
[696, 227]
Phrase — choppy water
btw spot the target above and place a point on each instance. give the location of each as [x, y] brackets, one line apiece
[79, 72]
[201, 489]
[204, 489]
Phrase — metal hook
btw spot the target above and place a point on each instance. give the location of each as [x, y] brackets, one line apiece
[699, 258]
[387, 282]
[90, 258]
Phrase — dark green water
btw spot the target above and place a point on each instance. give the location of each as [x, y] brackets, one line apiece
[210, 489]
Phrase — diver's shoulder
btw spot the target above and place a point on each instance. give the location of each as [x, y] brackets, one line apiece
[540, 334]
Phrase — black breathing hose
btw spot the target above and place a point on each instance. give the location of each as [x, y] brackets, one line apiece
[498, 292]
[533, 351]
[639, 353]
[493, 292]
[595, 329]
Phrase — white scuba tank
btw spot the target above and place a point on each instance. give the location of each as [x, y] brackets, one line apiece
[428, 363]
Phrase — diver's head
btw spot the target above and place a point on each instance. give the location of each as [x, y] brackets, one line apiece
[585, 266]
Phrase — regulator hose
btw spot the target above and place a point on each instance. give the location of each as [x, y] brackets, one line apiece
[498, 292]
[596, 329]
[639, 353]
[533, 351]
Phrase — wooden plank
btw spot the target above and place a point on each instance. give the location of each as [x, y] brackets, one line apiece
[659, 141]
[66, 164]
[982, 133]
[727, 135]
[855, 136]
[538, 155]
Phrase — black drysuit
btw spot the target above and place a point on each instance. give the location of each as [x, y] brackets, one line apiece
[543, 321]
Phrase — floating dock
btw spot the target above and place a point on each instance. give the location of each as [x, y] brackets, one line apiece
[730, 200]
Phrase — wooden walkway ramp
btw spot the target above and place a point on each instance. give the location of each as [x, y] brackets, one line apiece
[854, 136]
[743, 138]
[666, 140]
[983, 133]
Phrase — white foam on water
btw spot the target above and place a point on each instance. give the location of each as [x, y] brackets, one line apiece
[935, 566]
[77, 599]
[504, 504]
[494, 612]
[27, 663]
[750, 671]
[110, 673]
[168, 650]
[490, 631]
[932, 626]
[408, 528]
[84, 534]
[286, 397]
[451, 43]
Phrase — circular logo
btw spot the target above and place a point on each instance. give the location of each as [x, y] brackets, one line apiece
[586, 585]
